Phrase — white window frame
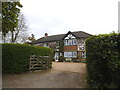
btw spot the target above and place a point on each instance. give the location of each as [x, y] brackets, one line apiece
[69, 42]
[70, 54]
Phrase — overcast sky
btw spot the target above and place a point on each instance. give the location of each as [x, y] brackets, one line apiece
[60, 16]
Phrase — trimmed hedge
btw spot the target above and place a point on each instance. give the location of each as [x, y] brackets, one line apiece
[103, 60]
[15, 57]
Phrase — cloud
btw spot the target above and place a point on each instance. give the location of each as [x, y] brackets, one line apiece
[60, 16]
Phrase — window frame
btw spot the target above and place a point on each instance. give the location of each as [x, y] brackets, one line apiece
[70, 54]
[70, 42]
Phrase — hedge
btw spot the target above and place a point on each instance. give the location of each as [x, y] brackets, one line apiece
[103, 60]
[15, 57]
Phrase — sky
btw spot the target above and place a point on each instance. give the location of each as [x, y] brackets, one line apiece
[60, 16]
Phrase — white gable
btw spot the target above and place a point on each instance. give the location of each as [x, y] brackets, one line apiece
[69, 36]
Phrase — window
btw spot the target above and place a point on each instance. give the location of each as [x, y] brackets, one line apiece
[81, 42]
[45, 45]
[70, 54]
[74, 42]
[65, 42]
[81, 45]
[57, 44]
[70, 42]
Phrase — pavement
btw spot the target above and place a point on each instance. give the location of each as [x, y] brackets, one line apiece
[62, 75]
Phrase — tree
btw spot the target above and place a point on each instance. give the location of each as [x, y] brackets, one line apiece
[0, 24]
[32, 38]
[0, 16]
[20, 34]
[10, 13]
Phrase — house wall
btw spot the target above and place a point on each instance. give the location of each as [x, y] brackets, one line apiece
[60, 48]
[74, 48]
[70, 48]
[81, 49]
[56, 47]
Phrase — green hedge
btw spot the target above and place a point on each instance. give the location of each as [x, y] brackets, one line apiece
[103, 60]
[15, 57]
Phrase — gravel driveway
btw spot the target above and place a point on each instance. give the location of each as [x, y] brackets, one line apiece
[62, 75]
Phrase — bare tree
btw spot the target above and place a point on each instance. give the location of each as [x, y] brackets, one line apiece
[20, 35]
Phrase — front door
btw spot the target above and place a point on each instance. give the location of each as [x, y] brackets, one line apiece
[56, 56]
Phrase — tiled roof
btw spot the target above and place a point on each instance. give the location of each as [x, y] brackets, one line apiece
[78, 34]
[81, 34]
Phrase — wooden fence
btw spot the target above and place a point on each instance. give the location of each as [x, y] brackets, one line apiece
[39, 63]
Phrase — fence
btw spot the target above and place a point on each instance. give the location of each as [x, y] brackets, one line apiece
[39, 63]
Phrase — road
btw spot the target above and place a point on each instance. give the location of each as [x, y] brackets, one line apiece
[62, 75]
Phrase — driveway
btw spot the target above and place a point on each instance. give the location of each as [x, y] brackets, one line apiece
[62, 75]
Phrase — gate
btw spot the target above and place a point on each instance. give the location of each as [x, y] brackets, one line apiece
[39, 62]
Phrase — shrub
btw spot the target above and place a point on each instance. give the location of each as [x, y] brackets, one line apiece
[103, 60]
[61, 59]
[75, 60]
[15, 57]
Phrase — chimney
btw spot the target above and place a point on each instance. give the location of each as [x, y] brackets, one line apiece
[46, 35]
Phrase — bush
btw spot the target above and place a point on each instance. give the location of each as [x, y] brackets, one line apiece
[15, 57]
[76, 60]
[103, 60]
[61, 59]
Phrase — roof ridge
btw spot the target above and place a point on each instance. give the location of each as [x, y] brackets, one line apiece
[51, 36]
[66, 33]
[82, 32]
[57, 35]
[78, 34]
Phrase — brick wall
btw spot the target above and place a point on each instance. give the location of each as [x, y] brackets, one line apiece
[70, 48]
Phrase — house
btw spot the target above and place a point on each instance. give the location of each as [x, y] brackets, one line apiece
[66, 47]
